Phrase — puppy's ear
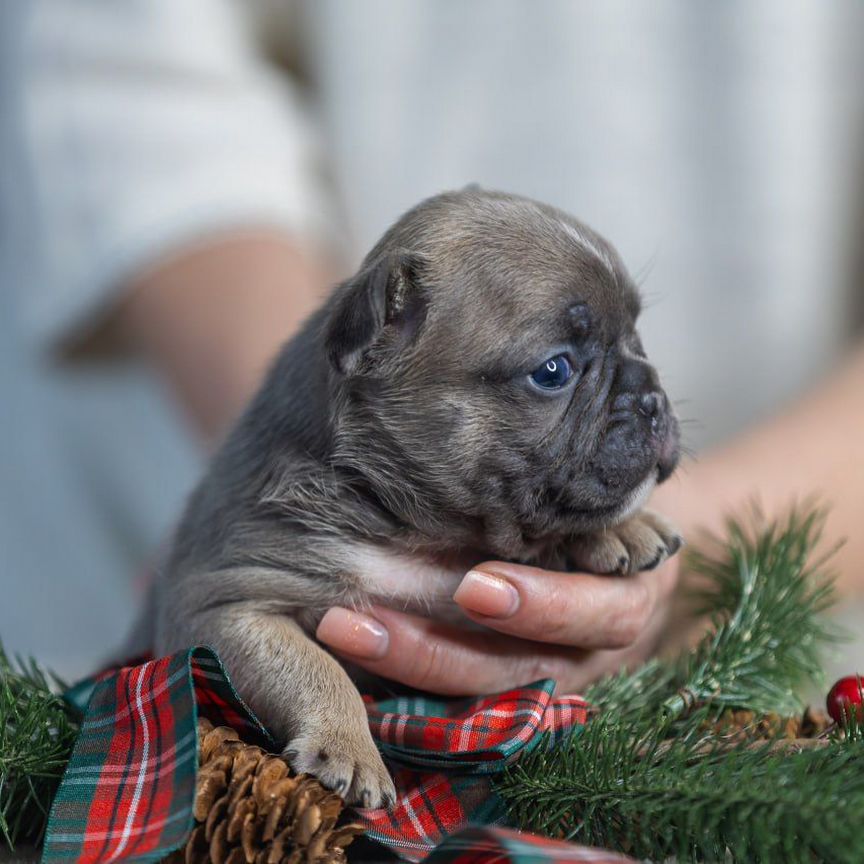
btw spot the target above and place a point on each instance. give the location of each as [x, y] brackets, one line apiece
[377, 314]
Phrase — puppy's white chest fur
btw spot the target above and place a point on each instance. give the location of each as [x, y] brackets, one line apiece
[408, 582]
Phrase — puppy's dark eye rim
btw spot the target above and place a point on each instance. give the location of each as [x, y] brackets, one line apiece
[554, 373]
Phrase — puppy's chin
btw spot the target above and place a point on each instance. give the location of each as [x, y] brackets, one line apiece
[613, 514]
[663, 452]
[636, 499]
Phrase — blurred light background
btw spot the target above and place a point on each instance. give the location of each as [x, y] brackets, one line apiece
[717, 145]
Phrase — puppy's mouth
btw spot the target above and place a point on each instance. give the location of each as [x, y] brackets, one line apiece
[617, 495]
[634, 448]
[670, 453]
[610, 514]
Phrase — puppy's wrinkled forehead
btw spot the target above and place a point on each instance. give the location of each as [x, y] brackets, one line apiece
[518, 264]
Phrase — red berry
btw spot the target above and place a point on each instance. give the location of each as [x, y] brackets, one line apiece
[846, 699]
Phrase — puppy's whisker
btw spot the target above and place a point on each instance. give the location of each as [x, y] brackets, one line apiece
[651, 298]
[645, 270]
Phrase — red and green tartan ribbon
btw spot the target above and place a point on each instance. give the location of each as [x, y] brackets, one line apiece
[128, 790]
[445, 753]
[482, 844]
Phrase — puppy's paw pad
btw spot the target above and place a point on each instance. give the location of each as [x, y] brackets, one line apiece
[674, 544]
[372, 787]
[659, 557]
[351, 767]
[369, 800]
[642, 542]
[650, 539]
[599, 553]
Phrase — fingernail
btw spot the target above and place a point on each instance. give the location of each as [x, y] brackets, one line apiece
[486, 594]
[353, 633]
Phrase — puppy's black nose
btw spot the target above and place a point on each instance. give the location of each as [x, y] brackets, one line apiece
[650, 404]
[638, 389]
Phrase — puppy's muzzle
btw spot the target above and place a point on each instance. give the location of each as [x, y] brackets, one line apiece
[641, 402]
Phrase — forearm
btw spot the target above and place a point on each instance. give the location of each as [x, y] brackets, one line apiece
[815, 448]
[211, 319]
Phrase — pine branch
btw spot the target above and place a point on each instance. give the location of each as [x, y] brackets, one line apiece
[654, 796]
[766, 602]
[649, 777]
[37, 731]
[768, 626]
[852, 728]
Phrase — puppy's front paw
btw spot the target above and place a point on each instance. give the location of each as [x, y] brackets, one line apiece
[642, 542]
[341, 754]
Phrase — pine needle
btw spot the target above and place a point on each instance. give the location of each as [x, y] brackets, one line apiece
[37, 731]
[646, 778]
[654, 796]
[766, 603]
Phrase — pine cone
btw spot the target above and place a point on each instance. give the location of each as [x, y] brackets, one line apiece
[251, 809]
[736, 725]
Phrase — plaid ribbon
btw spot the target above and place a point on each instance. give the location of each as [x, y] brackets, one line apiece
[445, 753]
[130, 784]
[481, 844]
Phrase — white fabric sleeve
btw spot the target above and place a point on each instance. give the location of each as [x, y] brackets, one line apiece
[140, 127]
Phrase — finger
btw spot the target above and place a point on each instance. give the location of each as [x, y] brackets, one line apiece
[575, 609]
[441, 658]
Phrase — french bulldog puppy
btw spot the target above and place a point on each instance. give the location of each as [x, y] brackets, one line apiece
[477, 390]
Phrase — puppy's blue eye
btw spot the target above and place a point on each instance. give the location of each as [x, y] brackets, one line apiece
[554, 373]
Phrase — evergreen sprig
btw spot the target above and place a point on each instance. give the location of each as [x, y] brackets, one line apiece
[766, 600]
[693, 797]
[645, 777]
[37, 731]
[767, 604]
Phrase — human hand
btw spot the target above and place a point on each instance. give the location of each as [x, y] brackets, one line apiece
[573, 627]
